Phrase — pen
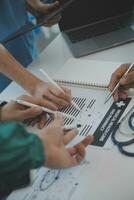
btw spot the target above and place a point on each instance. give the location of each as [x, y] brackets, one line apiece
[118, 84]
[25, 103]
[68, 127]
[58, 87]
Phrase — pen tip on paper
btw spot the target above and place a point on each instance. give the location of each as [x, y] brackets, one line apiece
[107, 99]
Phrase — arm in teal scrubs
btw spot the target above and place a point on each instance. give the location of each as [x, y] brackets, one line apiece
[13, 15]
[20, 151]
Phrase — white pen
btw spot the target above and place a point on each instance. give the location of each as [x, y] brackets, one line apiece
[25, 103]
[58, 87]
[118, 84]
[69, 127]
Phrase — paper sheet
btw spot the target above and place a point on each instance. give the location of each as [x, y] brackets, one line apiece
[95, 117]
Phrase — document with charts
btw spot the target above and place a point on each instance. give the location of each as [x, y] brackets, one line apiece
[96, 118]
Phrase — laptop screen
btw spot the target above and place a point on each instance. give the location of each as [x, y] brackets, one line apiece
[83, 12]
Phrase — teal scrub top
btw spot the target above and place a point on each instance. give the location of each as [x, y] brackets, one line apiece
[20, 151]
[13, 15]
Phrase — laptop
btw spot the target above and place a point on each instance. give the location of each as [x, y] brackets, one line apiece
[90, 26]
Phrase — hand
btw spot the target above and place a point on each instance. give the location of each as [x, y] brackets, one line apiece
[54, 141]
[53, 97]
[14, 111]
[38, 9]
[126, 81]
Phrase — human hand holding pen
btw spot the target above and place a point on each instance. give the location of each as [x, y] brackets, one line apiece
[125, 81]
[13, 111]
[27, 108]
[58, 99]
[60, 89]
[32, 105]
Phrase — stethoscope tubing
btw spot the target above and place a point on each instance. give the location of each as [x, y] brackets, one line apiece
[130, 123]
[119, 144]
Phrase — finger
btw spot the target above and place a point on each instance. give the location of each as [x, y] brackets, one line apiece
[28, 121]
[39, 101]
[58, 119]
[58, 100]
[42, 120]
[49, 104]
[88, 140]
[34, 121]
[126, 82]
[57, 92]
[116, 95]
[17, 106]
[80, 149]
[27, 98]
[65, 94]
[72, 151]
[70, 136]
[79, 156]
[48, 8]
[56, 96]
[79, 159]
[53, 6]
[127, 79]
[115, 78]
[30, 113]
[66, 89]
[122, 94]
[117, 75]
[126, 87]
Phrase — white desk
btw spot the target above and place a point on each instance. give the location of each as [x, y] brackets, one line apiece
[110, 175]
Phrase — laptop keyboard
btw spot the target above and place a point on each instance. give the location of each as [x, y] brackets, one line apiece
[98, 29]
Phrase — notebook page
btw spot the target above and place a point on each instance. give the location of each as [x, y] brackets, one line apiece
[86, 72]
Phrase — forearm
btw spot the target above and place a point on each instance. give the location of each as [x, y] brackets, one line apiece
[15, 71]
[20, 152]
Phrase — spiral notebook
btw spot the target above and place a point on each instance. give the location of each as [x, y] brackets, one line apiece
[86, 72]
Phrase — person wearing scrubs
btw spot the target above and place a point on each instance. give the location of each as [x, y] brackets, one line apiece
[13, 15]
[20, 52]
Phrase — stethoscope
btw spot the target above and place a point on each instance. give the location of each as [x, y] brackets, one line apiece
[122, 144]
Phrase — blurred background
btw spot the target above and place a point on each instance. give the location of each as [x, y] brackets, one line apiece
[45, 35]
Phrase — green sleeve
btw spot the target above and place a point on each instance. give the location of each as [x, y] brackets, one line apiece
[20, 151]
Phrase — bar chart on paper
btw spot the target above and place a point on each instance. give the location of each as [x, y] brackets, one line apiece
[95, 117]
